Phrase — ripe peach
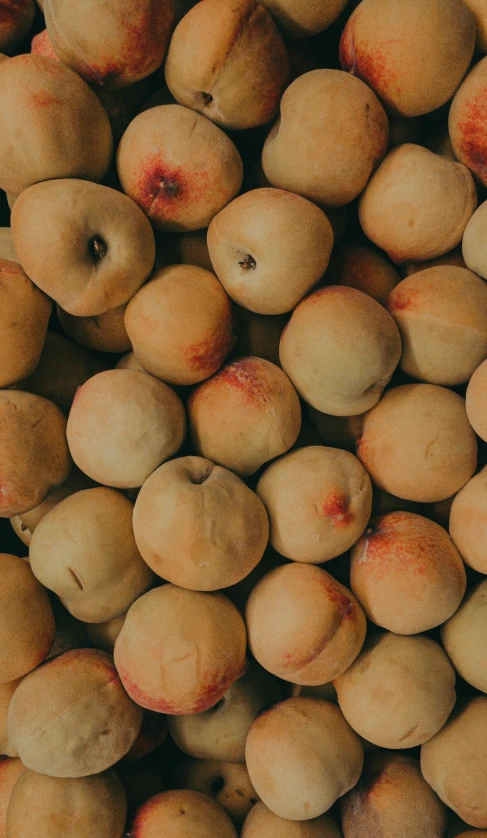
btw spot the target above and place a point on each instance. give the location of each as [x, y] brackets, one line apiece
[104, 332]
[17, 17]
[464, 638]
[453, 258]
[303, 625]
[178, 167]
[262, 823]
[10, 771]
[226, 782]
[417, 443]
[478, 10]
[361, 267]
[246, 414]
[468, 522]
[473, 237]
[406, 573]
[129, 362]
[74, 483]
[467, 122]
[6, 692]
[181, 813]
[476, 401]
[302, 20]
[7, 249]
[179, 651]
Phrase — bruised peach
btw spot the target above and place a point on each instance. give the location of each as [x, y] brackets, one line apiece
[181, 813]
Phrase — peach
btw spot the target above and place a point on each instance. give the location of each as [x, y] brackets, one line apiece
[478, 10]
[454, 762]
[303, 625]
[417, 204]
[71, 717]
[442, 316]
[104, 635]
[393, 799]
[417, 443]
[10, 771]
[129, 362]
[113, 45]
[259, 334]
[262, 823]
[54, 807]
[220, 732]
[301, 756]
[476, 402]
[70, 633]
[179, 651]
[27, 623]
[473, 237]
[228, 62]
[17, 17]
[225, 529]
[468, 522]
[340, 349]
[467, 121]
[74, 483]
[7, 249]
[25, 313]
[123, 425]
[399, 692]
[464, 638]
[319, 501]
[269, 279]
[6, 692]
[226, 782]
[331, 134]
[417, 72]
[240, 592]
[104, 332]
[41, 45]
[303, 20]
[51, 125]
[246, 414]
[361, 267]
[180, 324]
[88, 246]
[95, 568]
[406, 573]
[453, 258]
[181, 813]
[178, 167]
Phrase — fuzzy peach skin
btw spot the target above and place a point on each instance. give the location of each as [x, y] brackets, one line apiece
[180, 324]
[84, 550]
[340, 349]
[473, 237]
[303, 625]
[418, 444]
[414, 56]
[114, 45]
[417, 204]
[41, 45]
[178, 167]
[268, 248]
[226, 782]
[179, 651]
[331, 134]
[454, 762]
[220, 732]
[51, 124]
[468, 522]
[181, 813]
[24, 317]
[17, 17]
[6, 692]
[54, 807]
[464, 638]
[129, 362]
[104, 635]
[246, 414]
[87, 246]
[198, 525]
[467, 121]
[122, 425]
[392, 800]
[71, 717]
[228, 62]
[406, 573]
[476, 401]
[10, 772]
[33, 451]
[442, 316]
[399, 692]
[262, 823]
[359, 266]
[301, 756]
[303, 20]
[259, 334]
[319, 501]
[101, 332]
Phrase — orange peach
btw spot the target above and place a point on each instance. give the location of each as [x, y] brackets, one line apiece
[302, 20]
[10, 772]
[472, 244]
[361, 267]
[226, 782]
[181, 813]
[6, 692]
[464, 638]
[74, 483]
[262, 823]
[467, 121]
[104, 332]
[468, 522]
[476, 401]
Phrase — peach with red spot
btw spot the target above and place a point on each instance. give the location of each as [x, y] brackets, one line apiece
[467, 121]
[41, 45]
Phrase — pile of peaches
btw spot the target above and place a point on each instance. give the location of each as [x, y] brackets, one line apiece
[243, 416]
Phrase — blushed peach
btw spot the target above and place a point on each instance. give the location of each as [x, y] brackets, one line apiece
[246, 414]
[464, 638]
[417, 443]
[303, 625]
[17, 17]
[418, 71]
[41, 45]
[104, 332]
[180, 324]
[393, 799]
[178, 167]
[361, 267]
[226, 782]
[340, 349]
[476, 401]
[417, 204]
[179, 651]
[301, 756]
[225, 529]
[180, 813]
[399, 691]
[302, 20]
[259, 334]
[319, 502]
[71, 717]
[10, 771]
[331, 134]
[406, 573]
[262, 823]
[468, 522]
[6, 692]
[467, 120]
[228, 62]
